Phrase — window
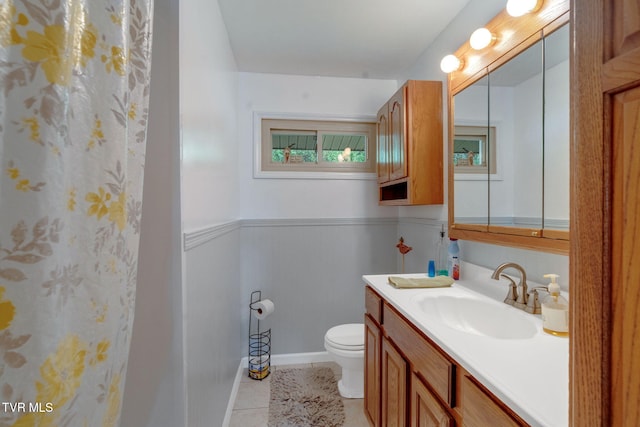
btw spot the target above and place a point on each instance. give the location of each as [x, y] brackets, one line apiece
[474, 149]
[325, 146]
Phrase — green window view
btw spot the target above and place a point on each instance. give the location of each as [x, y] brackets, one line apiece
[302, 147]
[469, 151]
[318, 146]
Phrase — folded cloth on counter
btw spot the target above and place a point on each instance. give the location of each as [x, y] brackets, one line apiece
[421, 282]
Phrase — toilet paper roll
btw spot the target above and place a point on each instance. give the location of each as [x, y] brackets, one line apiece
[263, 308]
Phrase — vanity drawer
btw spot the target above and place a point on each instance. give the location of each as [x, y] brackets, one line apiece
[424, 359]
[373, 304]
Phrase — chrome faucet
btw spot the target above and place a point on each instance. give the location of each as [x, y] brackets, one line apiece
[516, 297]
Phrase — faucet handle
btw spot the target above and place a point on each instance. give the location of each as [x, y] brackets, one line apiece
[533, 303]
[512, 296]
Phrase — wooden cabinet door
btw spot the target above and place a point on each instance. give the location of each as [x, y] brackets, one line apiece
[479, 410]
[605, 204]
[625, 342]
[394, 386]
[426, 411]
[372, 346]
[397, 136]
[382, 131]
[622, 71]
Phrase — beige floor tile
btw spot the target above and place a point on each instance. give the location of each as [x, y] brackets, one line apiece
[258, 417]
[354, 413]
[253, 394]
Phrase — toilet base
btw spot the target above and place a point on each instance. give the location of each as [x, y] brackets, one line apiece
[351, 386]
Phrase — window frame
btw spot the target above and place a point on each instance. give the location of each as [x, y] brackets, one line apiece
[322, 170]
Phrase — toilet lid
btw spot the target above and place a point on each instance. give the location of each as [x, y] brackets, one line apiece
[346, 337]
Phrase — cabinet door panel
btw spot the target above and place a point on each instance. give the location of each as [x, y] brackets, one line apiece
[372, 371]
[426, 411]
[424, 357]
[382, 131]
[373, 305]
[625, 343]
[394, 386]
[479, 410]
[397, 136]
[625, 37]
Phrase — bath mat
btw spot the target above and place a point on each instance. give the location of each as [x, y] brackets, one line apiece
[306, 397]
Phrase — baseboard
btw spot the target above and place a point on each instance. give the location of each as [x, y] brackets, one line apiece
[299, 358]
[234, 393]
[276, 359]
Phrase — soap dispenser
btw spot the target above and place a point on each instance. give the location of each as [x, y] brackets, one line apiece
[555, 310]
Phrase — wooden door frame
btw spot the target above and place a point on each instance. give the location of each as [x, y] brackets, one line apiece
[590, 249]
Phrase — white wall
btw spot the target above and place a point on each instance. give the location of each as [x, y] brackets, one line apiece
[311, 96]
[208, 89]
[211, 292]
[154, 393]
[182, 363]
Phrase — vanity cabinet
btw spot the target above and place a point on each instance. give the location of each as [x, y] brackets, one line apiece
[410, 145]
[420, 385]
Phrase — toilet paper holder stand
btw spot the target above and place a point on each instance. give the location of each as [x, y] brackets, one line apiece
[259, 360]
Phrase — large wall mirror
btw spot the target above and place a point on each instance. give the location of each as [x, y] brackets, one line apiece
[509, 180]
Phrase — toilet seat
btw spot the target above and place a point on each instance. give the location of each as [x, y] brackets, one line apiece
[348, 337]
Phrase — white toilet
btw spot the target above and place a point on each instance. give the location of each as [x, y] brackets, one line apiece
[345, 344]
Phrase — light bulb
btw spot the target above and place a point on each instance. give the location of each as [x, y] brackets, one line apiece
[517, 8]
[481, 38]
[450, 63]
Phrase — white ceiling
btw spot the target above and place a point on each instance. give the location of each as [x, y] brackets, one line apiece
[340, 38]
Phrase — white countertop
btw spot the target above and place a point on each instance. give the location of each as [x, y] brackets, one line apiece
[531, 375]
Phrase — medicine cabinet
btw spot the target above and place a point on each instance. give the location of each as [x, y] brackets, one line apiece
[509, 134]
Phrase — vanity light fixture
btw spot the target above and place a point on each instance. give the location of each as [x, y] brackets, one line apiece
[450, 63]
[517, 8]
[481, 38]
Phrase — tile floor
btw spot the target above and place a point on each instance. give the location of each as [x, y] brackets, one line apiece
[251, 408]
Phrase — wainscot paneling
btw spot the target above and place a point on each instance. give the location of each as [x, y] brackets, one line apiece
[212, 312]
[312, 270]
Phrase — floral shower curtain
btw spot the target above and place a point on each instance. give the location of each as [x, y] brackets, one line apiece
[74, 87]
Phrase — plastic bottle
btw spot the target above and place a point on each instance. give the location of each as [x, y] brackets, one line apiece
[555, 310]
[455, 268]
[453, 255]
[431, 269]
[441, 256]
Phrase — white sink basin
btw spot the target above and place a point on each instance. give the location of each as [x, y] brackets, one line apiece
[479, 317]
